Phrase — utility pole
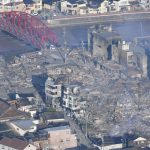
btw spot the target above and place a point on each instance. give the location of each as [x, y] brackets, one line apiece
[65, 41]
[139, 93]
[86, 122]
[139, 89]
[65, 44]
[83, 50]
[86, 126]
[141, 29]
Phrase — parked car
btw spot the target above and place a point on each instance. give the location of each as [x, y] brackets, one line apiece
[52, 47]
[54, 15]
[34, 14]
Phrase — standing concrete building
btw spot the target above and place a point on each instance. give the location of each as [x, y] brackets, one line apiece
[134, 58]
[70, 97]
[104, 43]
[53, 92]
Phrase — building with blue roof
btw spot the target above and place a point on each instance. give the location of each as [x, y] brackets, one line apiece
[28, 2]
[23, 126]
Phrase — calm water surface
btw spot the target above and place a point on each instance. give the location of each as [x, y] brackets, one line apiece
[128, 31]
[10, 46]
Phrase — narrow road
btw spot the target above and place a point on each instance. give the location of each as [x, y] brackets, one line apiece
[98, 18]
[82, 139]
[101, 15]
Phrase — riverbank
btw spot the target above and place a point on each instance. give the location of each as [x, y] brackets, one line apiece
[99, 18]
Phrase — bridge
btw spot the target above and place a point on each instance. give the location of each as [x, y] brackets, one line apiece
[34, 31]
[28, 28]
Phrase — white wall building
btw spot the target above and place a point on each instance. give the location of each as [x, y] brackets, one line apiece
[123, 5]
[68, 7]
[23, 126]
[20, 5]
[74, 7]
[29, 109]
[71, 96]
[104, 7]
[61, 138]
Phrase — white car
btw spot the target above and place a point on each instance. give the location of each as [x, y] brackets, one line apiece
[54, 15]
[34, 14]
[52, 47]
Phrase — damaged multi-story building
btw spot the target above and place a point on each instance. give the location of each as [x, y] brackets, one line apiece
[115, 55]
[53, 91]
[72, 101]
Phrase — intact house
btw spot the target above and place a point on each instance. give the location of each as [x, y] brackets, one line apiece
[28, 6]
[8, 112]
[27, 106]
[24, 103]
[23, 126]
[141, 142]
[60, 137]
[33, 6]
[94, 7]
[15, 144]
[49, 4]
[116, 6]
[81, 7]
[104, 7]
[123, 5]
[73, 7]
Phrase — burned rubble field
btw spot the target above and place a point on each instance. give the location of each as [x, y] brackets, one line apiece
[115, 105]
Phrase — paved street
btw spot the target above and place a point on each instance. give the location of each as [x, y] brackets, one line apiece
[98, 18]
[100, 15]
[82, 139]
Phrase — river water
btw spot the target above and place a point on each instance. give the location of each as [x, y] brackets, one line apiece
[9, 46]
[128, 30]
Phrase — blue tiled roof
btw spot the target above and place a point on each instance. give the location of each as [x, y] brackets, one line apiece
[24, 124]
[49, 1]
[72, 1]
[28, 2]
[94, 3]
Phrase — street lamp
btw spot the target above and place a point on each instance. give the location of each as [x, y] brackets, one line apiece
[86, 126]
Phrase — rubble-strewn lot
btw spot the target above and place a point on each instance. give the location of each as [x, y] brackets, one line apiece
[115, 104]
